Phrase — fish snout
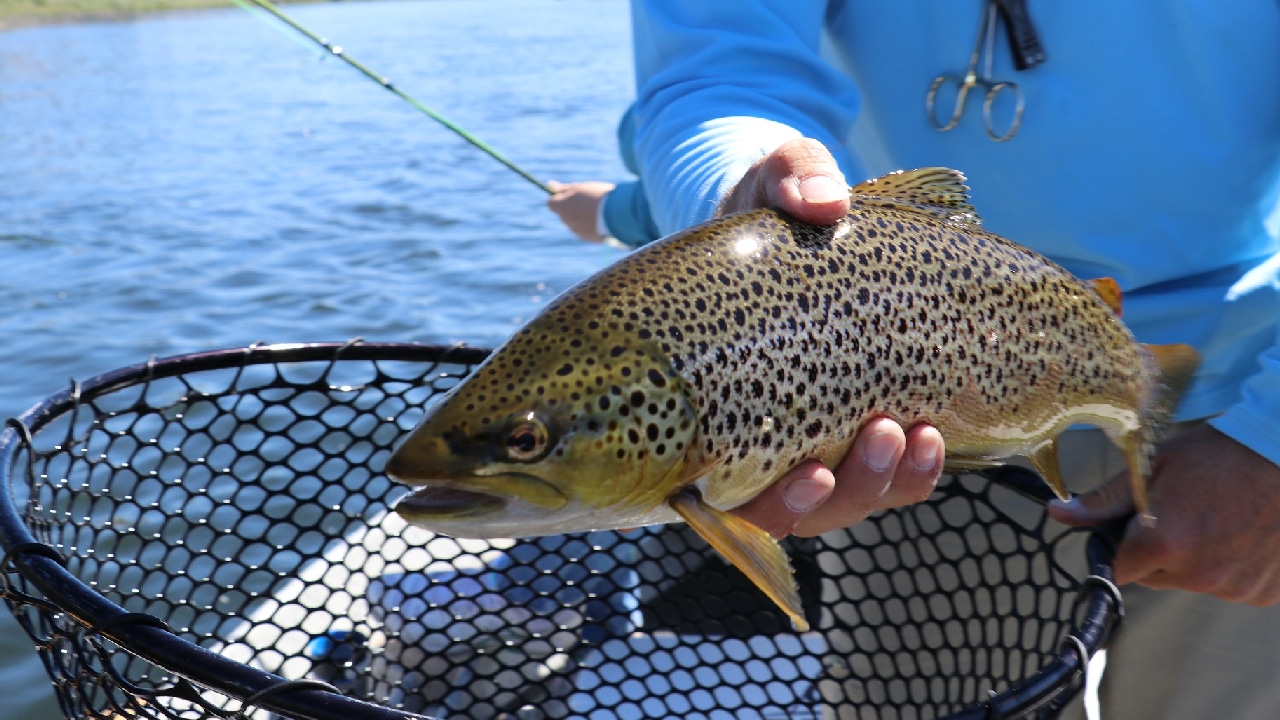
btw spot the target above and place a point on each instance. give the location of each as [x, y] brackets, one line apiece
[421, 458]
[427, 460]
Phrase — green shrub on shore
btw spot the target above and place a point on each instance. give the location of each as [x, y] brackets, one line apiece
[14, 13]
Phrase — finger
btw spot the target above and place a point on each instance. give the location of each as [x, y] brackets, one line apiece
[861, 479]
[802, 178]
[1111, 500]
[918, 471]
[1143, 555]
[1150, 557]
[1162, 558]
[1138, 559]
[1263, 591]
[782, 505]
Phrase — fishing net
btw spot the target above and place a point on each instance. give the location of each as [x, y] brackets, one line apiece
[208, 536]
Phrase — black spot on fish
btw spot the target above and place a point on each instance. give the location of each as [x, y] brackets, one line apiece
[810, 237]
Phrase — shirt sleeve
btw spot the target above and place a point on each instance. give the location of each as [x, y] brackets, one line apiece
[625, 215]
[720, 84]
[1252, 421]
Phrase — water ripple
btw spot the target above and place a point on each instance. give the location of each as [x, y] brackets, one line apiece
[183, 182]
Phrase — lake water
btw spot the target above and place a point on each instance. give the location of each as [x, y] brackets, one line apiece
[183, 182]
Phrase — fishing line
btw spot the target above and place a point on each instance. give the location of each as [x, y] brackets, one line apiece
[337, 51]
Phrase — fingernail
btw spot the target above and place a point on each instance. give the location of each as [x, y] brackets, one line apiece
[821, 189]
[923, 457]
[1071, 505]
[879, 451]
[802, 496]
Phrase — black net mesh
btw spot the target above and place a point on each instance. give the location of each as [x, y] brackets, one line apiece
[209, 536]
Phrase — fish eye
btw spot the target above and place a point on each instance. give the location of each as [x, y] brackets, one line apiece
[527, 439]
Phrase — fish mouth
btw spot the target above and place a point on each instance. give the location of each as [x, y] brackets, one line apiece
[447, 503]
[478, 496]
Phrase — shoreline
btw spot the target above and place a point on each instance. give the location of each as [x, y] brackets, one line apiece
[17, 14]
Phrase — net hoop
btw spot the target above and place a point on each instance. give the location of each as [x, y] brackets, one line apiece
[149, 638]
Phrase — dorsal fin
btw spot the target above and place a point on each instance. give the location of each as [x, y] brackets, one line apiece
[936, 191]
[1109, 290]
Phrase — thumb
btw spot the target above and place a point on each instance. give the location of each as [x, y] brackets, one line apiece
[1112, 499]
[800, 177]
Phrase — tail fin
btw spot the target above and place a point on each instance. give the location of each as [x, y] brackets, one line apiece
[1175, 366]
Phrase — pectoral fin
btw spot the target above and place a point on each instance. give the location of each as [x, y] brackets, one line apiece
[750, 549]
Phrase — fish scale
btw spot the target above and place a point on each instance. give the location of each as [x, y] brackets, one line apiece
[682, 380]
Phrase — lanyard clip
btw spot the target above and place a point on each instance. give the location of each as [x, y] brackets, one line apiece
[1024, 41]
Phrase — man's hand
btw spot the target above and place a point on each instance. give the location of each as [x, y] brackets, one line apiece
[800, 177]
[886, 467]
[578, 205]
[1217, 531]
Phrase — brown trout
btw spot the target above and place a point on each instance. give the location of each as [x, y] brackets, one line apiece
[682, 380]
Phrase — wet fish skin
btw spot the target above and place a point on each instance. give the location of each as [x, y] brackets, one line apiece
[685, 378]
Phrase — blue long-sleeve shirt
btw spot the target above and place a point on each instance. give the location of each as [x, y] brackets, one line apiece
[625, 210]
[626, 216]
[1149, 151]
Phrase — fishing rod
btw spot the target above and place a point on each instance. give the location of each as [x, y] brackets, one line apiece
[338, 52]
